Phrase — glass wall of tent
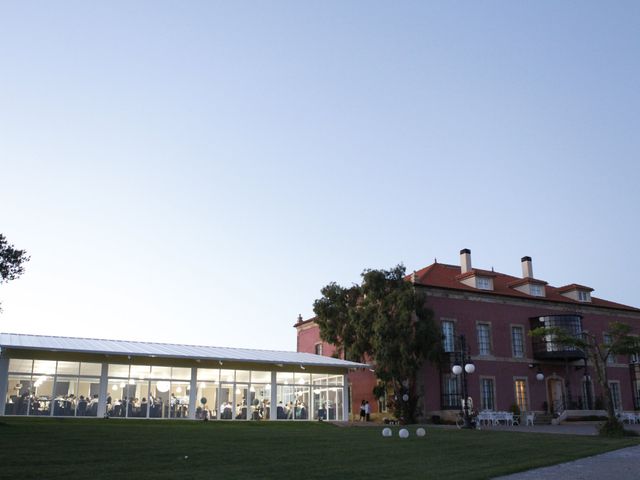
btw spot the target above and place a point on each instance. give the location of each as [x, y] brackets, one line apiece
[147, 391]
[52, 388]
[63, 388]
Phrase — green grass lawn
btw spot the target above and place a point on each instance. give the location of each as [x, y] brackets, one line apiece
[112, 449]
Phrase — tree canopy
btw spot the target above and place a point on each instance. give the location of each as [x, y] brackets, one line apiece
[12, 261]
[384, 320]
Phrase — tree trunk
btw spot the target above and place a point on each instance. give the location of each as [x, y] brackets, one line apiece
[603, 380]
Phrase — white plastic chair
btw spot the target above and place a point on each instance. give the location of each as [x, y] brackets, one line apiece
[530, 417]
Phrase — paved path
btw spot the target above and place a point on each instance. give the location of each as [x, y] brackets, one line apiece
[621, 464]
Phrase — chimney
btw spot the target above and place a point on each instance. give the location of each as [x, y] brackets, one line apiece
[299, 318]
[465, 260]
[527, 267]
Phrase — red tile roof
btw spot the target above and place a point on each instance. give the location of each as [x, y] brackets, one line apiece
[442, 275]
[524, 281]
[574, 286]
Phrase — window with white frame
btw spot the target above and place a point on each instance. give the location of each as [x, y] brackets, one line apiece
[448, 336]
[607, 340]
[587, 393]
[583, 296]
[484, 338]
[517, 341]
[450, 391]
[318, 348]
[483, 283]
[487, 400]
[536, 290]
[634, 358]
[615, 395]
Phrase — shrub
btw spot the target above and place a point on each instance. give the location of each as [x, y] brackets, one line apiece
[611, 428]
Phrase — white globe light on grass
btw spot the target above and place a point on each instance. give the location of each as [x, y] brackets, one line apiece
[456, 369]
[386, 432]
[540, 376]
[469, 368]
[403, 433]
[421, 432]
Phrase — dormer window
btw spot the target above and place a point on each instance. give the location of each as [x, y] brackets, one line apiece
[583, 296]
[483, 283]
[576, 292]
[536, 290]
[530, 286]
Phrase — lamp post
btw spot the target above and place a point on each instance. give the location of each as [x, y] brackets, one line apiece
[463, 358]
[539, 374]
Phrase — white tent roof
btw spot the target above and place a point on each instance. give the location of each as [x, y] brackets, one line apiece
[168, 350]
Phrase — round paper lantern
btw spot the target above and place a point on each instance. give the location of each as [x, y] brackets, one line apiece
[421, 432]
[403, 433]
[386, 432]
[163, 386]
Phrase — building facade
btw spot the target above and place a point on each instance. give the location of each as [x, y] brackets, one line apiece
[61, 376]
[493, 313]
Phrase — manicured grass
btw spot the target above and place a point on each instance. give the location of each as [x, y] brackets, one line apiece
[109, 449]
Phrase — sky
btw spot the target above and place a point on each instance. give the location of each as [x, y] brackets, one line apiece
[195, 172]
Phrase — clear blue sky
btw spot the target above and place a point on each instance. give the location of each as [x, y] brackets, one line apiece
[196, 171]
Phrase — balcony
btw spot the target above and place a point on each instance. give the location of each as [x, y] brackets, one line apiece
[545, 348]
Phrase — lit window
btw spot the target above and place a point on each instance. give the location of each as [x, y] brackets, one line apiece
[484, 339]
[517, 341]
[447, 336]
[521, 394]
[483, 283]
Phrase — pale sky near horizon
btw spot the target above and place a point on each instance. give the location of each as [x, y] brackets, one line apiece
[195, 172]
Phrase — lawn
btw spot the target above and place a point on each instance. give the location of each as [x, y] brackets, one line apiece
[108, 449]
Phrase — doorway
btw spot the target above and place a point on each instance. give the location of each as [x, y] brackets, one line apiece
[555, 391]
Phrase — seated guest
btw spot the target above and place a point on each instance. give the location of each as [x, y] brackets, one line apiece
[144, 405]
[82, 407]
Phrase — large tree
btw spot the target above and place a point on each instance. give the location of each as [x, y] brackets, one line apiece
[12, 261]
[385, 321]
[621, 340]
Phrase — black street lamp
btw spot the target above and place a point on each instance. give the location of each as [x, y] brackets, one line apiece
[462, 357]
[586, 400]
